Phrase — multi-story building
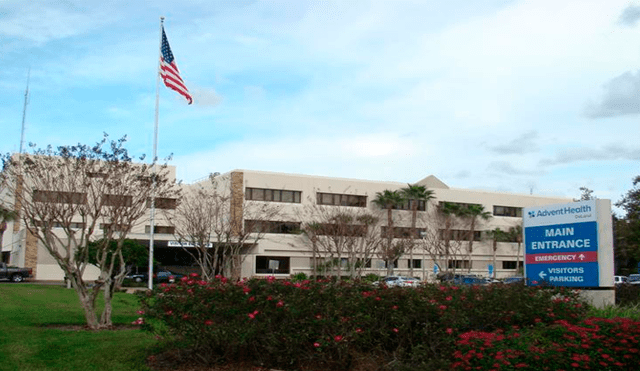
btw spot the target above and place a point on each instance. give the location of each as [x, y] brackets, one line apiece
[283, 250]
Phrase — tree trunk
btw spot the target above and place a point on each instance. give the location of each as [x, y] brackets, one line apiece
[495, 250]
[389, 242]
[518, 259]
[105, 319]
[471, 237]
[87, 301]
[414, 216]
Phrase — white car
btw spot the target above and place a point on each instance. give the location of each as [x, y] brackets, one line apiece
[399, 281]
[619, 280]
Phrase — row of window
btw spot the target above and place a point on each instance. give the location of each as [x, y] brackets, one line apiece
[77, 198]
[257, 194]
[281, 264]
[274, 195]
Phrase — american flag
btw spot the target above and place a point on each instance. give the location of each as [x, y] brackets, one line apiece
[169, 71]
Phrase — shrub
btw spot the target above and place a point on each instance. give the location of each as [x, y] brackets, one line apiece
[627, 295]
[594, 343]
[333, 325]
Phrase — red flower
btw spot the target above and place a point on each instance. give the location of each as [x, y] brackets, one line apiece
[193, 275]
[396, 330]
[443, 307]
[575, 364]
[208, 322]
[252, 298]
[280, 304]
[337, 338]
[359, 330]
[449, 331]
[448, 298]
[317, 345]
[394, 307]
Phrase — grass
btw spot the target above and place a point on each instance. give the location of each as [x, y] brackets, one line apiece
[27, 343]
[629, 311]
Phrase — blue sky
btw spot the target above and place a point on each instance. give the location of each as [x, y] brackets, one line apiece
[514, 96]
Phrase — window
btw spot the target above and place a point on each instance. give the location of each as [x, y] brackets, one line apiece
[274, 195]
[507, 211]
[116, 227]
[416, 263]
[395, 263]
[164, 203]
[272, 265]
[460, 204]
[403, 232]
[60, 197]
[117, 200]
[336, 199]
[459, 264]
[408, 204]
[352, 230]
[268, 226]
[160, 229]
[460, 235]
[367, 263]
[72, 225]
[511, 264]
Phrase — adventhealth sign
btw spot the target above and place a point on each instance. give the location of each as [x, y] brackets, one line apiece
[569, 244]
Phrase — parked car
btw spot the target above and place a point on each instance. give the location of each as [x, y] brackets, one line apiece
[14, 274]
[619, 280]
[159, 276]
[399, 281]
[634, 279]
[513, 280]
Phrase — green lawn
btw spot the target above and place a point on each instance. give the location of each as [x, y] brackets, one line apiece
[26, 343]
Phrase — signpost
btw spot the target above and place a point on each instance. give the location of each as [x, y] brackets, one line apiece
[569, 244]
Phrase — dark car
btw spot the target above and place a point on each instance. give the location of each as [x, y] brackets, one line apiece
[513, 280]
[159, 276]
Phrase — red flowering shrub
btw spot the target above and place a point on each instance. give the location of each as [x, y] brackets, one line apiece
[327, 325]
[593, 343]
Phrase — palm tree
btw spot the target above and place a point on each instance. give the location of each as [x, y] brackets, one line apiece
[474, 213]
[449, 211]
[388, 200]
[515, 234]
[496, 235]
[414, 194]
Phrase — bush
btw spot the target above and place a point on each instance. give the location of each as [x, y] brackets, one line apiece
[594, 343]
[335, 325]
[627, 295]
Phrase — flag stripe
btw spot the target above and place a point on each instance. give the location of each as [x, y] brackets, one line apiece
[169, 70]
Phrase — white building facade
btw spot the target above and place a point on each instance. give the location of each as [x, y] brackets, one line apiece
[283, 250]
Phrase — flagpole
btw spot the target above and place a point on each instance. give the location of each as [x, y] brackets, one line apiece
[155, 158]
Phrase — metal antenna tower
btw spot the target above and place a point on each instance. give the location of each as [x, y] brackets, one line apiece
[24, 110]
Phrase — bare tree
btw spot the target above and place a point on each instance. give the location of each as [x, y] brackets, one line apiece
[339, 233]
[74, 195]
[441, 238]
[206, 228]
